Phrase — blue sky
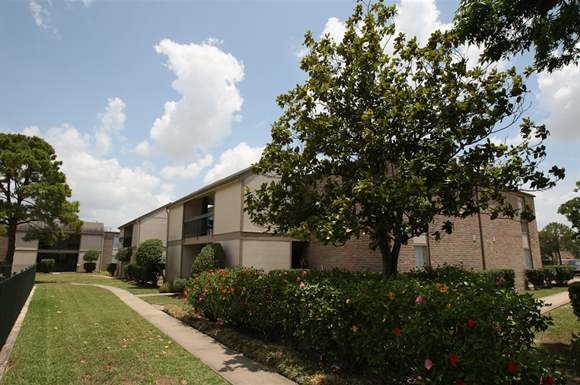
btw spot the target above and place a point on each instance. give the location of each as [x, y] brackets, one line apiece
[145, 101]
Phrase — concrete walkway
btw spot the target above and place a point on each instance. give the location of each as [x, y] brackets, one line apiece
[554, 301]
[232, 366]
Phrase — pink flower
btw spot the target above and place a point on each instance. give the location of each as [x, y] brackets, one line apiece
[470, 324]
[428, 364]
[418, 299]
[302, 285]
[453, 359]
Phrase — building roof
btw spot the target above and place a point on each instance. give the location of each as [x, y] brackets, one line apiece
[144, 215]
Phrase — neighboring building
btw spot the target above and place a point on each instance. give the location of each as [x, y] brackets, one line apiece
[215, 213]
[111, 243]
[68, 253]
[152, 225]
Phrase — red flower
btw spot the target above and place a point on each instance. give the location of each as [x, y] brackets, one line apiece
[222, 272]
[232, 290]
[302, 285]
[453, 359]
[397, 331]
[512, 367]
[460, 382]
[547, 380]
[223, 290]
[470, 324]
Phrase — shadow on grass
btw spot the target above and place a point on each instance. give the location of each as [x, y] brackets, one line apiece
[567, 359]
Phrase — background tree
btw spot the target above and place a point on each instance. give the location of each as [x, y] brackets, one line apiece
[509, 27]
[378, 144]
[555, 238]
[33, 190]
[571, 210]
[150, 255]
[123, 256]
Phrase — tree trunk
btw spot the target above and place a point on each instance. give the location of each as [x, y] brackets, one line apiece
[12, 225]
[390, 256]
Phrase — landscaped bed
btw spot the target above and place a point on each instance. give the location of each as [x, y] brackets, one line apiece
[85, 335]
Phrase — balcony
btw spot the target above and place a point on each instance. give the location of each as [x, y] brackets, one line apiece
[199, 226]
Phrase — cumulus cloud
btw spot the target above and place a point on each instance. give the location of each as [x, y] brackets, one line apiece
[189, 171]
[547, 202]
[419, 18]
[39, 13]
[559, 95]
[233, 160]
[206, 80]
[112, 122]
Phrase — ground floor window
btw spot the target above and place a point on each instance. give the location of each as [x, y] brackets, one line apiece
[421, 258]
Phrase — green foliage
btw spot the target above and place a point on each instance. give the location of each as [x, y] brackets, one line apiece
[571, 210]
[111, 268]
[443, 333]
[536, 277]
[150, 256]
[124, 254]
[211, 256]
[137, 273]
[509, 27]
[574, 293]
[89, 266]
[166, 287]
[176, 286]
[557, 237]
[46, 265]
[547, 276]
[450, 274]
[33, 190]
[380, 143]
[91, 255]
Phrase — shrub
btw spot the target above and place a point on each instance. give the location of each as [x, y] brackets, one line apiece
[46, 265]
[536, 277]
[124, 254]
[91, 256]
[150, 256]
[166, 287]
[451, 274]
[89, 266]
[178, 285]
[550, 275]
[111, 268]
[574, 293]
[136, 273]
[439, 331]
[211, 256]
[564, 273]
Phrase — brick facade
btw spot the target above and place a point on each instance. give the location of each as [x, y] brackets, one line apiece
[503, 247]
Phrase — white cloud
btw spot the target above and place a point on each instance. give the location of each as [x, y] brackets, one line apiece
[335, 29]
[210, 101]
[112, 122]
[233, 160]
[108, 192]
[419, 18]
[143, 148]
[39, 14]
[189, 171]
[548, 202]
[559, 96]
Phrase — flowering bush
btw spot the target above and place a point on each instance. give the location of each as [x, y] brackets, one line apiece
[450, 274]
[405, 330]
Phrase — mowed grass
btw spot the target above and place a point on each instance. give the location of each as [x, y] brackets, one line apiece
[546, 292]
[96, 278]
[167, 300]
[85, 335]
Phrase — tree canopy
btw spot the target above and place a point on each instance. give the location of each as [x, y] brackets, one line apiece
[384, 135]
[555, 238]
[33, 190]
[509, 27]
[571, 210]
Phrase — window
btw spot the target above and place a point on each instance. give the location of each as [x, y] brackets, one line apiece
[421, 259]
[528, 259]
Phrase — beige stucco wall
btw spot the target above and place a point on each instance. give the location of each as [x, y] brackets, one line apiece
[23, 259]
[267, 255]
[154, 226]
[252, 182]
[232, 252]
[228, 206]
[173, 265]
[90, 242]
[175, 223]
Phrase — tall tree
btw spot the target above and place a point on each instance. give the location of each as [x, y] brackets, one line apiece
[376, 143]
[571, 210]
[555, 238]
[509, 27]
[33, 190]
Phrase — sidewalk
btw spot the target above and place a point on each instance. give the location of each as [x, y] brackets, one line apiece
[234, 367]
[554, 301]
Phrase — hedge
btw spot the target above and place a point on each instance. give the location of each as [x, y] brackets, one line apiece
[546, 276]
[405, 330]
[574, 293]
[211, 256]
[450, 274]
[46, 265]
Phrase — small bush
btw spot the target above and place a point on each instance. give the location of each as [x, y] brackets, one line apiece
[91, 256]
[46, 265]
[124, 254]
[440, 331]
[136, 273]
[211, 256]
[574, 293]
[564, 273]
[178, 285]
[451, 274]
[166, 287]
[536, 277]
[89, 266]
[111, 268]
[150, 256]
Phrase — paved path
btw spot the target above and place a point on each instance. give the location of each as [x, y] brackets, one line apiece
[554, 301]
[234, 367]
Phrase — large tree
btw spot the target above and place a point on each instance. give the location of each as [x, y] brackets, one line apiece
[571, 210]
[555, 238]
[378, 141]
[509, 27]
[33, 190]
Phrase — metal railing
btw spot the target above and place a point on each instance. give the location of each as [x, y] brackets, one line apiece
[13, 294]
[198, 226]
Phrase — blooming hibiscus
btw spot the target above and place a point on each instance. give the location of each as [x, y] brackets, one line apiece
[512, 367]
[232, 290]
[470, 324]
[460, 382]
[397, 331]
[453, 359]
[547, 380]
[418, 299]
[354, 328]
[302, 285]
[428, 364]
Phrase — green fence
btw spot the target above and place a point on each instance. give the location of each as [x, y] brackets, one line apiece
[13, 294]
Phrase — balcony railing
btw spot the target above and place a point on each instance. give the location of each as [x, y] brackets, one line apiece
[199, 226]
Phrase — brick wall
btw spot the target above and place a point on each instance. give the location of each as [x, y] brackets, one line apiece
[502, 247]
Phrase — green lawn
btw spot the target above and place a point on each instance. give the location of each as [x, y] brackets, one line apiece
[85, 335]
[97, 278]
[546, 292]
[167, 300]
